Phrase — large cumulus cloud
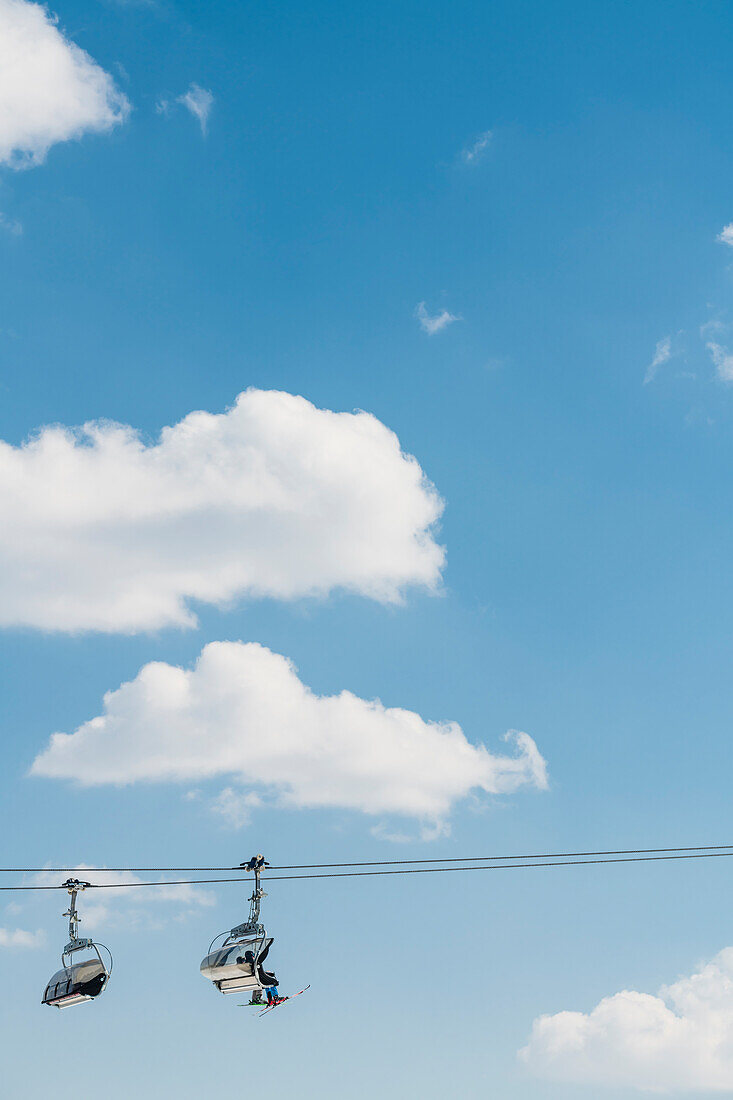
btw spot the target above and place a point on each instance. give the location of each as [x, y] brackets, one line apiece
[678, 1040]
[50, 89]
[100, 530]
[243, 712]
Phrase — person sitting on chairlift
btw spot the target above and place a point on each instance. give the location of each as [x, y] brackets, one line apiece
[273, 998]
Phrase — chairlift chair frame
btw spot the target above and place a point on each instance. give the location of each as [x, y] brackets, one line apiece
[81, 981]
[228, 966]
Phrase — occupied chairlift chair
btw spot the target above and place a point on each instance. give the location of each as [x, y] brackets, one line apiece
[237, 966]
[83, 980]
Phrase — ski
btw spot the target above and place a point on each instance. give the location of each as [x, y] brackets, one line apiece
[283, 1000]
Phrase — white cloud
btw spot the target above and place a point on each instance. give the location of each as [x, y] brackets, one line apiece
[10, 225]
[199, 102]
[17, 937]
[723, 360]
[662, 355]
[716, 335]
[126, 904]
[726, 234]
[668, 348]
[101, 531]
[50, 89]
[243, 712]
[680, 1040]
[437, 322]
[474, 152]
[429, 831]
[236, 807]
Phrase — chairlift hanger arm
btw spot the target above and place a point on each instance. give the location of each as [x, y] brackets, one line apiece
[256, 865]
[74, 887]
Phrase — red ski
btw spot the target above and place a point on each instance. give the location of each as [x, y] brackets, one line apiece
[282, 1000]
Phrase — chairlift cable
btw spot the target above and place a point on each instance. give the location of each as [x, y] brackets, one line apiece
[701, 848]
[402, 871]
[478, 859]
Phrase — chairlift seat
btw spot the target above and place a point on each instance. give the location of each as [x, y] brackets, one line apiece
[82, 981]
[235, 967]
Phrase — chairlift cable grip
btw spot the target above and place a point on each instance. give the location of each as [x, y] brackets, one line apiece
[256, 864]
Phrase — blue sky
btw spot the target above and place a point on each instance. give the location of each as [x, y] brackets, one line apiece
[151, 270]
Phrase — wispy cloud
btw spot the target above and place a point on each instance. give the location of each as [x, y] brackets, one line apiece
[10, 225]
[127, 903]
[154, 4]
[712, 333]
[17, 937]
[236, 807]
[473, 153]
[662, 355]
[428, 832]
[726, 234]
[435, 322]
[199, 102]
[668, 348]
[723, 360]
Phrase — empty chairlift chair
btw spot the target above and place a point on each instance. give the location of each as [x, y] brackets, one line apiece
[81, 978]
